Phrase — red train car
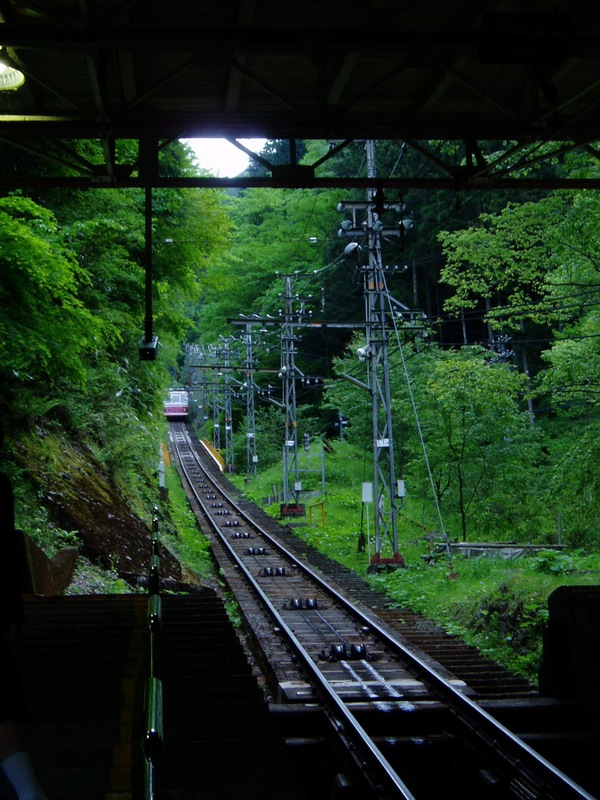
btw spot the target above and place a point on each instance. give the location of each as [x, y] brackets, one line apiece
[176, 406]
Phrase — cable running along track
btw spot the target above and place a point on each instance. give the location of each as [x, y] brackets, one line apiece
[318, 647]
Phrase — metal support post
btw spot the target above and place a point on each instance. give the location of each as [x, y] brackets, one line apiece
[216, 413]
[148, 347]
[376, 308]
[291, 482]
[386, 501]
[251, 456]
[227, 406]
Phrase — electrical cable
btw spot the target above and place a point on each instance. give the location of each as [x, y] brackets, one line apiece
[418, 423]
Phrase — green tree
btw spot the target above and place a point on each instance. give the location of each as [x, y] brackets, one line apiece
[477, 436]
[573, 297]
[478, 441]
[72, 302]
[46, 332]
[536, 268]
[272, 234]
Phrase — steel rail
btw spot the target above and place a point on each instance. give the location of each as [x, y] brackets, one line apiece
[519, 760]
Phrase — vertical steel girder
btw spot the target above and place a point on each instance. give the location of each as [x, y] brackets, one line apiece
[229, 455]
[251, 456]
[288, 377]
[376, 310]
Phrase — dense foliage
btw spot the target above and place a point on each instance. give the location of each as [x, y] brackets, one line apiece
[494, 355]
[72, 317]
[494, 389]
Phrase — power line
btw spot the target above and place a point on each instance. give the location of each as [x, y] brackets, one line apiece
[420, 433]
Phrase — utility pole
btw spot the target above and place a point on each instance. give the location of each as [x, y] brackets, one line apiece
[291, 481]
[204, 402]
[199, 380]
[216, 412]
[226, 356]
[387, 491]
[251, 455]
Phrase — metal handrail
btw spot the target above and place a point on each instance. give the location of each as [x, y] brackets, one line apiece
[153, 738]
[154, 634]
[153, 696]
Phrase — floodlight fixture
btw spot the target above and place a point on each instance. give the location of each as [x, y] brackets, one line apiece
[10, 77]
[352, 250]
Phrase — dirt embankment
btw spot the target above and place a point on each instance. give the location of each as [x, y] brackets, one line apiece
[80, 498]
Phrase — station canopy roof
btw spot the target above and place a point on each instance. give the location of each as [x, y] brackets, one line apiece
[520, 74]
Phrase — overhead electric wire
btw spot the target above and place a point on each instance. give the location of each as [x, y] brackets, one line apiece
[417, 419]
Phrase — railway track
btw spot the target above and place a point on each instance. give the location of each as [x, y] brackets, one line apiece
[344, 681]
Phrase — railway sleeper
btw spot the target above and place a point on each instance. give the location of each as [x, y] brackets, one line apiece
[541, 713]
[401, 718]
[403, 723]
[412, 757]
[412, 754]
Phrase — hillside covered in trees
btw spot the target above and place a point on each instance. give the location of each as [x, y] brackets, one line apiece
[494, 363]
[493, 357]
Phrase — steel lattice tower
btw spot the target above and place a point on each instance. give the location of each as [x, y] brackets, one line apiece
[386, 489]
[288, 377]
[227, 407]
[376, 311]
[251, 456]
